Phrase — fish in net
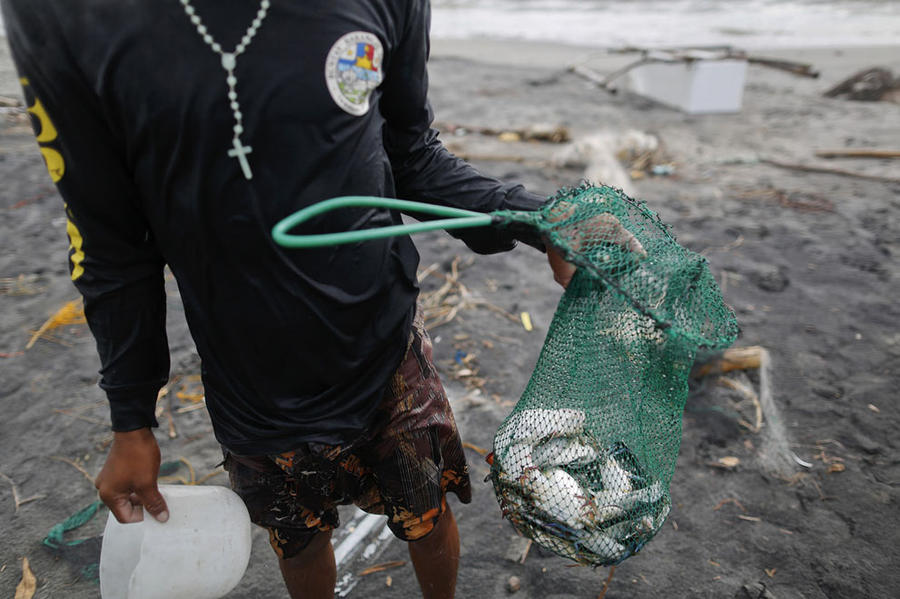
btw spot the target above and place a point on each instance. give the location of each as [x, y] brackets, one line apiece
[582, 464]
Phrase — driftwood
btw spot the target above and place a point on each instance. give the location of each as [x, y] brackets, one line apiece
[605, 81]
[828, 170]
[809, 168]
[740, 358]
[688, 55]
[612, 570]
[796, 68]
[17, 500]
[858, 153]
[471, 157]
[735, 358]
[543, 132]
[867, 85]
[442, 305]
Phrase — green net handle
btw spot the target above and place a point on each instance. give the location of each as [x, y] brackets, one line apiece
[455, 218]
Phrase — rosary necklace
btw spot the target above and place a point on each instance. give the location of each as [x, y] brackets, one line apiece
[229, 60]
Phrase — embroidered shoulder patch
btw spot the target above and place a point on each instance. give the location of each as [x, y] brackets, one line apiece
[353, 70]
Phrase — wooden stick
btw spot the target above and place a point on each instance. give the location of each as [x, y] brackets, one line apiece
[796, 68]
[424, 273]
[67, 314]
[382, 567]
[479, 450]
[729, 500]
[206, 477]
[525, 552]
[192, 407]
[495, 308]
[80, 416]
[469, 157]
[858, 153]
[173, 432]
[749, 518]
[828, 170]
[75, 465]
[46, 336]
[175, 479]
[555, 134]
[735, 358]
[15, 492]
[604, 82]
[612, 570]
[190, 468]
[749, 394]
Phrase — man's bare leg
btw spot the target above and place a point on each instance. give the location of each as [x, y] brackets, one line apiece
[311, 574]
[436, 558]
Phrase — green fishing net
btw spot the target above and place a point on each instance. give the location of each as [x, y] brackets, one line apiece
[583, 463]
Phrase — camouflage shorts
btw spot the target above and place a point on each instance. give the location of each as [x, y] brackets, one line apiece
[402, 470]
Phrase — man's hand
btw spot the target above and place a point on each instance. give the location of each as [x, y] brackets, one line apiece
[562, 271]
[602, 227]
[128, 478]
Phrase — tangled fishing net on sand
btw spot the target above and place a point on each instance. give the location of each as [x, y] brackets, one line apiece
[583, 463]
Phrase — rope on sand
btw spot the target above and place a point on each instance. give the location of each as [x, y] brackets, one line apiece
[54, 538]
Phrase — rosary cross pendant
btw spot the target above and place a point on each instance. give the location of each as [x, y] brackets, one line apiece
[240, 152]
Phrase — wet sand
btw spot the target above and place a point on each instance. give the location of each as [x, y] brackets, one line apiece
[807, 260]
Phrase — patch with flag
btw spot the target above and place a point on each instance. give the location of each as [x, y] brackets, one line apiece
[353, 70]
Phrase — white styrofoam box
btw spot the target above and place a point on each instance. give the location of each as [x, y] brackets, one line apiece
[695, 87]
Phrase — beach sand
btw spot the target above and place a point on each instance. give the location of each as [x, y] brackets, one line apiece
[809, 262]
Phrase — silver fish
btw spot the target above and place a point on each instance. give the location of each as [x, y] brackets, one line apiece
[650, 494]
[559, 495]
[532, 426]
[661, 515]
[607, 506]
[614, 477]
[554, 543]
[563, 452]
[515, 460]
[604, 545]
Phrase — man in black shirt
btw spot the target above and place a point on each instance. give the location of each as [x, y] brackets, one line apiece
[178, 132]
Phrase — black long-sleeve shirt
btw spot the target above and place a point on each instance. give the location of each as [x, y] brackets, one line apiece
[131, 112]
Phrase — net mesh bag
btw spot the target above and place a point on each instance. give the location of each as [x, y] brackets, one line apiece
[582, 464]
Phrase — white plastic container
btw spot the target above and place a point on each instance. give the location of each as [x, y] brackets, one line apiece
[698, 86]
[200, 553]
